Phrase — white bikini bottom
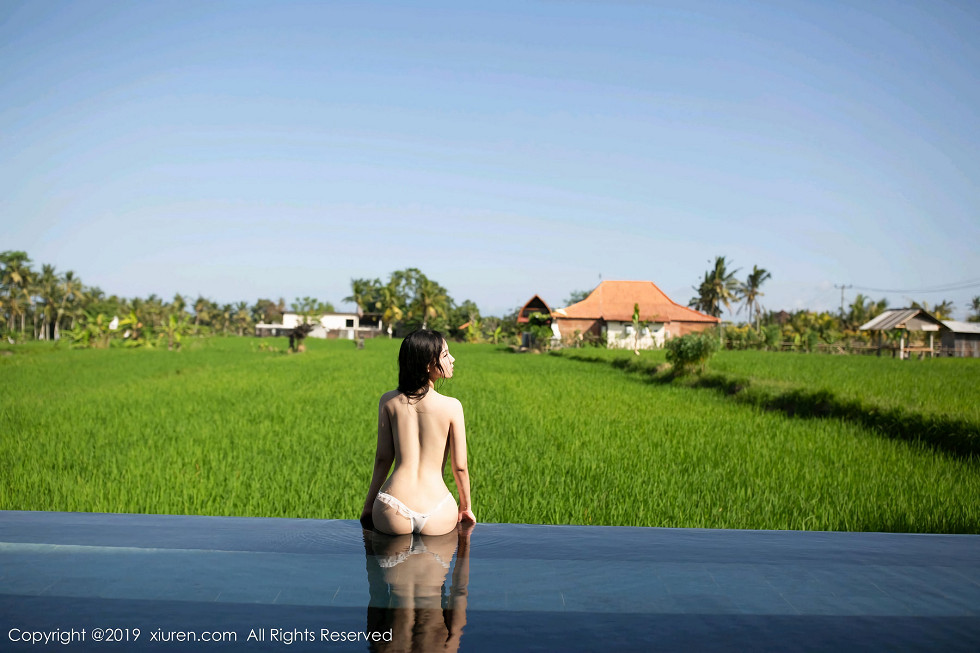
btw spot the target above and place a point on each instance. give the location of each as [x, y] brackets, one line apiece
[418, 518]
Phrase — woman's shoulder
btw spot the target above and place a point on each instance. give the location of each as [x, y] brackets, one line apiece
[445, 401]
[388, 396]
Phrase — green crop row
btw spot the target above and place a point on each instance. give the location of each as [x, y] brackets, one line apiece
[225, 427]
[934, 401]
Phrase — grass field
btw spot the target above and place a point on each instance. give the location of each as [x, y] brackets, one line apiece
[934, 387]
[223, 428]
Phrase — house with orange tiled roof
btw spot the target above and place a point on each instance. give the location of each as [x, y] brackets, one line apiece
[607, 314]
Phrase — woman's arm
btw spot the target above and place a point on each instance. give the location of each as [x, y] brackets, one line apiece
[384, 456]
[461, 474]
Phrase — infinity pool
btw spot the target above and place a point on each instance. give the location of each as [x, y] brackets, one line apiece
[150, 582]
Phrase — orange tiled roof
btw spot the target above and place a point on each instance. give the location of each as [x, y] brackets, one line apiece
[614, 300]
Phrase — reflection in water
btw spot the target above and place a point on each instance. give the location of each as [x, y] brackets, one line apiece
[407, 579]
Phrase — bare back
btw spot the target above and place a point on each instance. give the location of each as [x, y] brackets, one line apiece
[420, 431]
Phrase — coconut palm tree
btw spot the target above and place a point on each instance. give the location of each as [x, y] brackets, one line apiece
[88, 297]
[242, 317]
[941, 311]
[70, 288]
[204, 311]
[49, 292]
[364, 292]
[223, 317]
[15, 278]
[863, 309]
[858, 312]
[179, 306]
[16, 305]
[750, 290]
[432, 300]
[19, 295]
[389, 303]
[718, 287]
[153, 311]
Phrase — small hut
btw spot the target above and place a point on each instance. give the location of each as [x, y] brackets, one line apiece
[533, 305]
[905, 321]
[962, 339]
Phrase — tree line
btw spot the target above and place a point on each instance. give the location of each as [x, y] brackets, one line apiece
[44, 304]
[803, 329]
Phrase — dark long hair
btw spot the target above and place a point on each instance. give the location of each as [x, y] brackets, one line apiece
[420, 350]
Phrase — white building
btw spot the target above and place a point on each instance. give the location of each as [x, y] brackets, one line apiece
[347, 326]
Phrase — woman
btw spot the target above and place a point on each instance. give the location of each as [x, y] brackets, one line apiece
[418, 428]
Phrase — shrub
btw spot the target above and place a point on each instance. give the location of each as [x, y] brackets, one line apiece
[773, 336]
[690, 350]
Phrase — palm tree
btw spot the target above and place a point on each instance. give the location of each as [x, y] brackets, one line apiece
[16, 305]
[87, 298]
[389, 303]
[70, 289]
[15, 278]
[242, 317]
[204, 310]
[863, 309]
[941, 311]
[179, 306]
[432, 300]
[750, 289]
[858, 312]
[153, 310]
[223, 317]
[363, 293]
[975, 307]
[718, 287]
[49, 292]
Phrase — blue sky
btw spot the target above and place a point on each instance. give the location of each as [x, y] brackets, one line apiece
[241, 150]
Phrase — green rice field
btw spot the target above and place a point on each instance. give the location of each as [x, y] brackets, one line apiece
[227, 427]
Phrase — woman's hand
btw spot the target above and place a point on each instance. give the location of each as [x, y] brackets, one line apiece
[367, 521]
[466, 515]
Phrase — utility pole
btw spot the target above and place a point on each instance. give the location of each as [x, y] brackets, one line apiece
[842, 287]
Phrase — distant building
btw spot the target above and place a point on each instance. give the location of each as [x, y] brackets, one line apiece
[961, 340]
[347, 326]
[607, 314]
[905, 320]
[533, 305]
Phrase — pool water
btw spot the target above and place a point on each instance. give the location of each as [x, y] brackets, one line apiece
[272, 584]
